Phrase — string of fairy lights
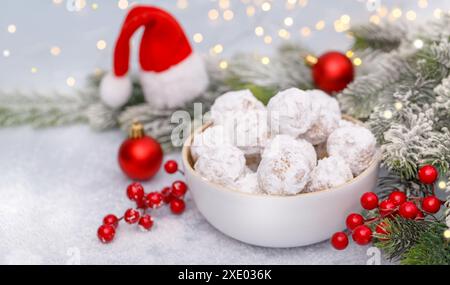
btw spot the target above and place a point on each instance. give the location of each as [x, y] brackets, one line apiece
[223, 10]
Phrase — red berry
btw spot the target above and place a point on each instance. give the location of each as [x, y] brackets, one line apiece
[408, 210]
[177, 206]
[362, 235]
[146, 222]
[381, 230]
[369, 200]
[387, 207]
[154, 200]
[131, 216]
[135, 191]
[179, 188]
[141, 204]
[339, 240]
[171, 166]
[353, 220]
[431, 204]
[167, 195]
[397, 197]
[428, 174]
[111, 220]
[106, 233]
[420, 215]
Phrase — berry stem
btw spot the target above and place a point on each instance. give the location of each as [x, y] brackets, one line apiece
[181, 172]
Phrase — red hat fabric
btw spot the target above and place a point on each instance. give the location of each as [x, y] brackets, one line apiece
[171, 73]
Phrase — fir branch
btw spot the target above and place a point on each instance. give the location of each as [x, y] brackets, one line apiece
[41, 110]
[430, 249]
[402, 235]
[386, 37]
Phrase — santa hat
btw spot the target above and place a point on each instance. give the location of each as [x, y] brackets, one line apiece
[171, 73]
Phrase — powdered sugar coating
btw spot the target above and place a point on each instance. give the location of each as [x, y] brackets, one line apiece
[223, 165]
[211, 137]
[291, 112]
[248, 130]
[345, 123]
[329, 115]
[330, 172]
[355, 144]
[232, 102]
[285, 166]
[289, 144]
[248, 184]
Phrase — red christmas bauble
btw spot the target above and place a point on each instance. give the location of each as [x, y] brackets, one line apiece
[339, 240]
[140, 156]
[333, 72]
[428, 174]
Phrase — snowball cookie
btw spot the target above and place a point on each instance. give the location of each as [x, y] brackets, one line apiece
[291, 112]
[329, 172]
[248, 130]
[248, 184]
[355, 144]
[211, 137]
[234, 101]
[285, 166]
[344, 123]
[329, 115]
[223, 165]
[288, 143]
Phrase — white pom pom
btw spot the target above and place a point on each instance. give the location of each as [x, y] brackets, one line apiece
[115, 91]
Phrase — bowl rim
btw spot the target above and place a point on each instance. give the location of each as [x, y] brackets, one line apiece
[185, 153]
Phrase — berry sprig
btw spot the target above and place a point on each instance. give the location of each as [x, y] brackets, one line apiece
[173, 196]
[413, 208]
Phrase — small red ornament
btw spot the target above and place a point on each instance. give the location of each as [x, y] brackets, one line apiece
[177, 206]
[369, 201]
[408, 210]
[179, 189]
[111, 220]
[106, 233]
[131, 216]
[397, 197]
[171, 166]
[353, 220]
[167, 195]
[428, 174]
[135, 191]
[332, 72]
[431, 204]
[146, 222]
[154, 200]
[339, 240]
[140, 156]
[362, 235]
[386, 207]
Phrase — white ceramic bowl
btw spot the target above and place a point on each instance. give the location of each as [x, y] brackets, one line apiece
[277, 221]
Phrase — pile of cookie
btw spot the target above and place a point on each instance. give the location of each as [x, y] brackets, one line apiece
[298, 143]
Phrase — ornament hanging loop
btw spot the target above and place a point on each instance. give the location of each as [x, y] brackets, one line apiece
[136, 130]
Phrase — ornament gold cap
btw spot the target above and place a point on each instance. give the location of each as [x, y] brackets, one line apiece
[310, 60]
[136, 130]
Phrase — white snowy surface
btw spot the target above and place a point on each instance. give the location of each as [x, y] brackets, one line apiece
[57, 184]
